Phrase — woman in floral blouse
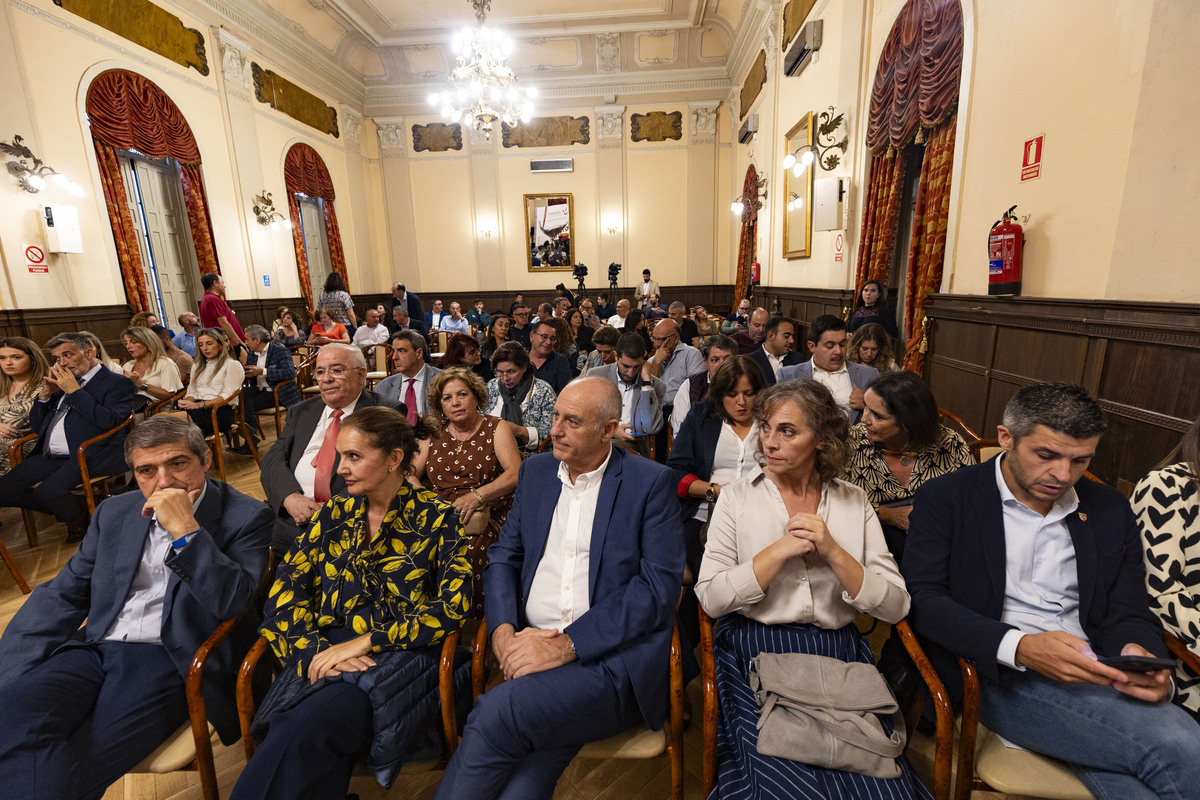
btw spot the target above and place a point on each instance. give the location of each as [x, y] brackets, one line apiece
[357, 616]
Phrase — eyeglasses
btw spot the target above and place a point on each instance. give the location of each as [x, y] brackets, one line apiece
[549, 336]
[336, 371]
[507, 373]
[520, 313]
[663, 338]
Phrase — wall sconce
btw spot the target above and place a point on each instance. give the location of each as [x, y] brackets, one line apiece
[265, 213]
[486, 232]
[794, 201]
[828, 122]
[33, 178]
[612, 230]
[752, 197]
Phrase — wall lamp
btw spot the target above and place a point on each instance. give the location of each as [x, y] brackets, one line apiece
[795, 201]
[752, 197]
[33, 178]
[265, 213]
[828, 122]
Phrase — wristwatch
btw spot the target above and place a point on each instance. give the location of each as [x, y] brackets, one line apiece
[710, 494]
[143, 387]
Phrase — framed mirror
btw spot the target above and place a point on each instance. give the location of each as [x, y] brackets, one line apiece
[550, 223]
[798, 191]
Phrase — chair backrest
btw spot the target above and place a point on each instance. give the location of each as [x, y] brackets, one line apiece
[955, 422]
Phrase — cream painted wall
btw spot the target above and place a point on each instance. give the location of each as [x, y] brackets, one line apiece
[656, 199]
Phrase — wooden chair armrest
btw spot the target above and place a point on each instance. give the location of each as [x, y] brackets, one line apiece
[944, 740]
[84, 474]
[245, 692]
[979, 445]
[446, 692]
[1180, 651]
[193, 687]
[969, 729]
[970, 434]
[675, 740]
[479, 654]
[16, 450]
[545, 445]
[159, 405]
[708, 687]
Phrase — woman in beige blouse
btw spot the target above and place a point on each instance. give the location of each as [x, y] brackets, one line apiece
[155, 376]
[793, 556]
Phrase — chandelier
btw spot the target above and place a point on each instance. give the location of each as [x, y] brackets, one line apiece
[483, 85]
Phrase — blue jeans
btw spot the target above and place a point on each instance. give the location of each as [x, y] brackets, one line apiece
[1121, 748]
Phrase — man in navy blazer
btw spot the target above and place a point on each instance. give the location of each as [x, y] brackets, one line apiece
[80, 399]
[1031, 573]
[827, 339]
[580, 592]
[268, 365]
[776, 350]
[92, 667]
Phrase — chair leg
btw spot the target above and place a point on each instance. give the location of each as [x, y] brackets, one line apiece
[220, 456]
[30, 527]
[250, 442]
[12, 567]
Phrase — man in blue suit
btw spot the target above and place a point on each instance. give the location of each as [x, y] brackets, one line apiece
[80, 399]
[92, 667]
[580, 592]
[776, 351]
[827, 339]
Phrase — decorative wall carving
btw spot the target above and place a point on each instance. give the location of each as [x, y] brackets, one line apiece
[794, 14]
[352, 121]
[437, 137]
[755, 80]
[235, 63]
[704, 118]
[608, 52]
[657, 126]
[392, 143]
[299, 104]
[144, 23]
[548, 132]
[608, 122]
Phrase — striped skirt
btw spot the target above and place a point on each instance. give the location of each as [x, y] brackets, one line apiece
[742, 773]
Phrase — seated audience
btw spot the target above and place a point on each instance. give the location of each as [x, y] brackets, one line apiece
[92, 667]
[872, 307]
[739, 320]
[410, 382]
[776, 351]
[544, 311]
[828, 366]
[561, 303]
[472, 463]
[372, 332]
[22, 368]
[715, 350]
[455, 322]
[673, 362]
[604, 344]
[794, 555]
[1166, 503]
[620, 313]
[144, 319]
[478, 317]
[520, 328]
[518, 300]
[182, 361]
[751, 338]
[413, 308]
[289, 333]
[549, 365]
[898, 447]
[462, 350]
[300, 471]
[279, 312]
[78, 399]
[269, 366]
[520, 399]
[654, 309]
[1034, 575]
[872, 347]
[496, 335]
[564, 294]
[186, 339]
[337, 301]
[641, 393]
[216, 376]
[364, 600]
[635, 322]
[583, 664]
[326, 330]
[706, 326]
[603, 309]
[688, 333]
[155, 376]
[590, 318]
[564, 343]
[102, 354]
[580, 336]
[433, 319]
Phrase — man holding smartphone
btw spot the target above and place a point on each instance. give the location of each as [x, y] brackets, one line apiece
[1036, 576]
[641, 394]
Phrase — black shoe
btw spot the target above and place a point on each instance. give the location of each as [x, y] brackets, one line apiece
[76, 530]
[242, 449]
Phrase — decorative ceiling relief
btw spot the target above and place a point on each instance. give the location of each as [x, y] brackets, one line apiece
[608, 52]
[657, 126]
[794, 14]
[548, 132]
[657, 48]
[299, 104]
[755, 80]
[145, 24]
[437, 137]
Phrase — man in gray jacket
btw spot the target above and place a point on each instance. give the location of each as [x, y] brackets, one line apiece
[641, 394]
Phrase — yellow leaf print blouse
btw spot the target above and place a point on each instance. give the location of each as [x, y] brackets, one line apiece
[408, 588]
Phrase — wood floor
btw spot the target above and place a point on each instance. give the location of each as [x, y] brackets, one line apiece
[584, 779]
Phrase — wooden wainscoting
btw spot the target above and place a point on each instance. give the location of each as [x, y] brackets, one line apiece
[1139, 359]
[803, 305]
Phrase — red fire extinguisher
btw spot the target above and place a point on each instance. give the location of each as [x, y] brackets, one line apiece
[1004, 255]
[755, 273]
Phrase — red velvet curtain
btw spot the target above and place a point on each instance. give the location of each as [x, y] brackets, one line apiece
[196, 201]
[304, 171]
[927, 253]
[916, 85]
[129, 255]
[748, 241]
[881, 218]
[301, 254]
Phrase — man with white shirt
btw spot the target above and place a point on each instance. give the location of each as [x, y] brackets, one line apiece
[299, 472]
[371, 332]
[827, 339]
[643, 290]
[715, 350]
[92, 667]
[79, 399]
[434, 318]
[411, 380]
[268, 365]
[617, 320]
[1034, 574]
[580, 593]
[641, 394]
[776, 351]
[456, 322]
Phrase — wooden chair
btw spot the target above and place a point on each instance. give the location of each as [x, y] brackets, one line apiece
[952, 420]
[637, 741]
[984, 449]
[87, 484]
[214, 440]
[379, 363]
[276, 410]
[159, 405]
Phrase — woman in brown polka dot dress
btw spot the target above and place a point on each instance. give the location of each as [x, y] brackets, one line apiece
[472, 464]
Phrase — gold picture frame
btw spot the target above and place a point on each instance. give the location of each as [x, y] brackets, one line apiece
[798, 191]
[550, 238]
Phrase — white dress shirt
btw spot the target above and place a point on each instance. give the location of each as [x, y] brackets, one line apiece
[140, 619]
[680, 407]
[418, 384]
[306, 471]
[213, 383]
[559, 593]
[58, 434]
[733, 459]
[366, 335]
[776, 363]
[254, 359]
[838, 384]
[616, 321]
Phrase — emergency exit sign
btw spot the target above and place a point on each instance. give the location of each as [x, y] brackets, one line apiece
[1031, 162]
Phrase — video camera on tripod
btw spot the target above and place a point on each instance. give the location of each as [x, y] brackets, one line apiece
[614, 269]
[579, 273]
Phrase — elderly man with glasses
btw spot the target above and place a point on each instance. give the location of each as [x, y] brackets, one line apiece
[549, 365]
[673, 363]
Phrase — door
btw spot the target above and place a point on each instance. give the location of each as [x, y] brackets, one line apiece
[316, 247]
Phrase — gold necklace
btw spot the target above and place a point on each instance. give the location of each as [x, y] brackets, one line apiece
[459, 446]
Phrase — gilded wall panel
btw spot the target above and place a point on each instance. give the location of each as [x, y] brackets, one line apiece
[755, 80]
[144, 23]
[548, 132]
[299, 104]
[437, 137]
[657, 126]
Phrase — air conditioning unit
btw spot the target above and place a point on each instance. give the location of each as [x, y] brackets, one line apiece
[552, 165]
[807, 42]
[749, 129]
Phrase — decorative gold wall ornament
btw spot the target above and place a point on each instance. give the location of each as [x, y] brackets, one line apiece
[145, 24]
[547, 132]
[657, 126]
[755, 80]
[299, 104]
[794, 14]
[437, 137]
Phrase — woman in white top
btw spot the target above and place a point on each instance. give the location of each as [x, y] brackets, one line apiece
[793, 556]
[215, 375]
[155, 376]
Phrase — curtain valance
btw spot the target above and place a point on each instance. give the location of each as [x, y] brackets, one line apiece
[304, 172]
[128, 112]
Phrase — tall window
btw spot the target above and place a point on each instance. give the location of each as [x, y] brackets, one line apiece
[315, 234]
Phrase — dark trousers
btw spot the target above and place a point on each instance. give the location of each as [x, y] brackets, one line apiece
[256, 400]
[661, 449]
[77, 722]
[522, 734]
[203, 418]
[311, 749]
[54, 477]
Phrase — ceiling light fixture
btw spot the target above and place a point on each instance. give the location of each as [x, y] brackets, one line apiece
[484, 88]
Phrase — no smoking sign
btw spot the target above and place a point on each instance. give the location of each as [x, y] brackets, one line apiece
[35, 259]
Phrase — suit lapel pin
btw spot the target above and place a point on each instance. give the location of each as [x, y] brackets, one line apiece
[1082, 517]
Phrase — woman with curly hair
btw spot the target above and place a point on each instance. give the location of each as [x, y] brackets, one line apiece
[872, 347]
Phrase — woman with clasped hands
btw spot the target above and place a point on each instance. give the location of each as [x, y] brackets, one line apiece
[793, 556]
[357, 615]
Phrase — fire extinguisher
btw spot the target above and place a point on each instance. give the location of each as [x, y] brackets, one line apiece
[1004, 255]
[755, 273]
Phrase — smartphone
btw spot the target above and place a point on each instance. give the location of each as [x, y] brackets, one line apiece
[1138, 663]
